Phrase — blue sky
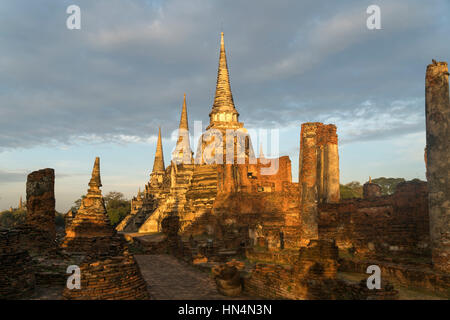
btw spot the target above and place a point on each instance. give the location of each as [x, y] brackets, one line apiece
[67, 96]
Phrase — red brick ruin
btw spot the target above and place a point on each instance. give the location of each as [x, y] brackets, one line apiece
[274, 222]
[41, 200]
[30, 255]
[261, 235]
[108, 270]
[438, 166]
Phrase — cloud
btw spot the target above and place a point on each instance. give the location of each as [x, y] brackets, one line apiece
[7, 176]
[124, 73]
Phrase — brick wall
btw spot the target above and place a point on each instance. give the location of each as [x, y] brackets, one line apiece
[388, 224]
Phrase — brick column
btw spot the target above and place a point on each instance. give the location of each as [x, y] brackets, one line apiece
[41, 200]
[308, 182]
[332, 191]
[437, 107]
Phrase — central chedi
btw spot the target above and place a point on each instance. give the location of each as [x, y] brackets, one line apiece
[225, 135]
[188, 186]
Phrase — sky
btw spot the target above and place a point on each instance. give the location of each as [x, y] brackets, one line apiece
[67, 96]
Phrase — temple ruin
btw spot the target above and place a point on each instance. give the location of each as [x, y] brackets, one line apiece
[108, 270]
[242, 219]
[274, 222]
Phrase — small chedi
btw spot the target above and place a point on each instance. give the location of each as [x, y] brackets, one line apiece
[108, 270]
[90, 229]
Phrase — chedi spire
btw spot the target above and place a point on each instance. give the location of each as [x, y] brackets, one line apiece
[95, 183]
[223, 107]
[158, 164]
[183, 152]
[184, 120]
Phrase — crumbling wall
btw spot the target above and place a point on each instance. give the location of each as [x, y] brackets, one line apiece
[371, 190]
[312, 276]
[437, 104]
[387, 224]
[260, 215]
[266, 175]
[112, 278]
[318, 174]
[17, 278]
[41, 201]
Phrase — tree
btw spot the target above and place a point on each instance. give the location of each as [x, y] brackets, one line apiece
[59, 219]
[117, 206]
[351, 190]
[388, 185]
[10, 219]
[114, 199]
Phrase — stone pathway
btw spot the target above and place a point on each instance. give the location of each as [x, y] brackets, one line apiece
[171, 279]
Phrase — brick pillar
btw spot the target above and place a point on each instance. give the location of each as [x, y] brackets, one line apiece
[332, 191]
[41, 200]
[308, 182]
[318, 173]
[437, 105]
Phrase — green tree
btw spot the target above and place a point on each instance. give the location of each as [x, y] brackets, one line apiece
[117, 206]
[12, 219]
[351, 190]
[59, 219]
[388, 185]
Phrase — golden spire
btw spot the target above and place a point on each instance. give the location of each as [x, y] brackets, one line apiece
[139, 196]
[223, 100]
[370, 179]
[95, 183]
[182, 152]
[184, 119]
[158, 164]
[20, 203]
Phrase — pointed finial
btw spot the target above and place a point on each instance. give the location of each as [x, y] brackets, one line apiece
[370, 179]
[261, 154]
[183, 119]
[223, 100]
[95, 183]
[182, 152]
[158, 164]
